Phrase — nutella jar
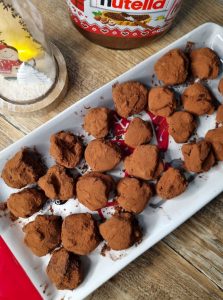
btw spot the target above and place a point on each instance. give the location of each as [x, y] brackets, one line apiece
[123, 24]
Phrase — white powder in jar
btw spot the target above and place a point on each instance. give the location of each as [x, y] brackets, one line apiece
[30, 84]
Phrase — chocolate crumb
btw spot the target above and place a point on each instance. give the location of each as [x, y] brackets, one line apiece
[12, 217]
[189, 47]
[51, 209]
[87, 107]
[105, 249]
[3, 206]
[45, 288]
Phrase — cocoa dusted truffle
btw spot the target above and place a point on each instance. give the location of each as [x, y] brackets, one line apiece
[57, 184]
[102, 155]
[66, 149]
[215, 137]
[64, 270]
[24, 168]
[144, 162]
[181, 126]
[171, 184]
[121, 231]
[43, 234]
[26, 202]
[80, 234]
[161, 101]
[172, 68]
[93, 189]
[220, 86]
[205, 63]
[219, 116]
[197, 100]
[198, 157]
[133, 194]
[97, 122]
[129, 98]
[138, 132]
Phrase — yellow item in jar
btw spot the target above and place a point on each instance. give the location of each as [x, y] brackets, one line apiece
[14, 33]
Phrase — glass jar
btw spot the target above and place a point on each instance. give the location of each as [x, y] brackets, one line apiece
[28, 69]
[123, 24]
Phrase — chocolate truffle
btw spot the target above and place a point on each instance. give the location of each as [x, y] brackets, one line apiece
[57, 184]
[219, 116]
[205, 63]
[121, 231]
[181, 126]
[26, 202]
[171, 184]
[172, 68]
[197, 100]
[64, 270]
[66, 149]
[24, 168]
[161, 101]
[93, 189]
[198, 157]
[133, 194]
[144, 162]
[215, 137]
[102, 155]
[220, 86]
[138, 132]
[43, 234]
[80, 234]
[129, 98]
[97, 122]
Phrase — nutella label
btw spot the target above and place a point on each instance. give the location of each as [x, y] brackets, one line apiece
[124, 18]
[131, 5]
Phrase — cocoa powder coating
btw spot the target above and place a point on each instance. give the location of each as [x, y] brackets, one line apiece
[129, 98]
[64, 270]
[172, 67]
[181, 126]
[97, 122]
[144, 162]
[121, 231]
[161, 101]
[198, 157]
[171, 184]
[93, 190]
[24, 168]
[80, 233]
[43, 234]
[66, 149]
[205, 63]
[102, 155]
[57, 184]
[26, 202]
[219, 115]
[139, 132]
[197, 100]
[215, 137]
[220, 86]
[133, 194]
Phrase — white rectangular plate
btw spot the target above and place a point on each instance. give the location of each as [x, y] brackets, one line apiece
[156, 222]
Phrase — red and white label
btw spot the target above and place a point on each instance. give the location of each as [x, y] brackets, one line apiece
[132, 5]
[9, 62]
[124, 18]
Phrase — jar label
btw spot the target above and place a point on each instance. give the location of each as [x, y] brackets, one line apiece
[124, 18]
